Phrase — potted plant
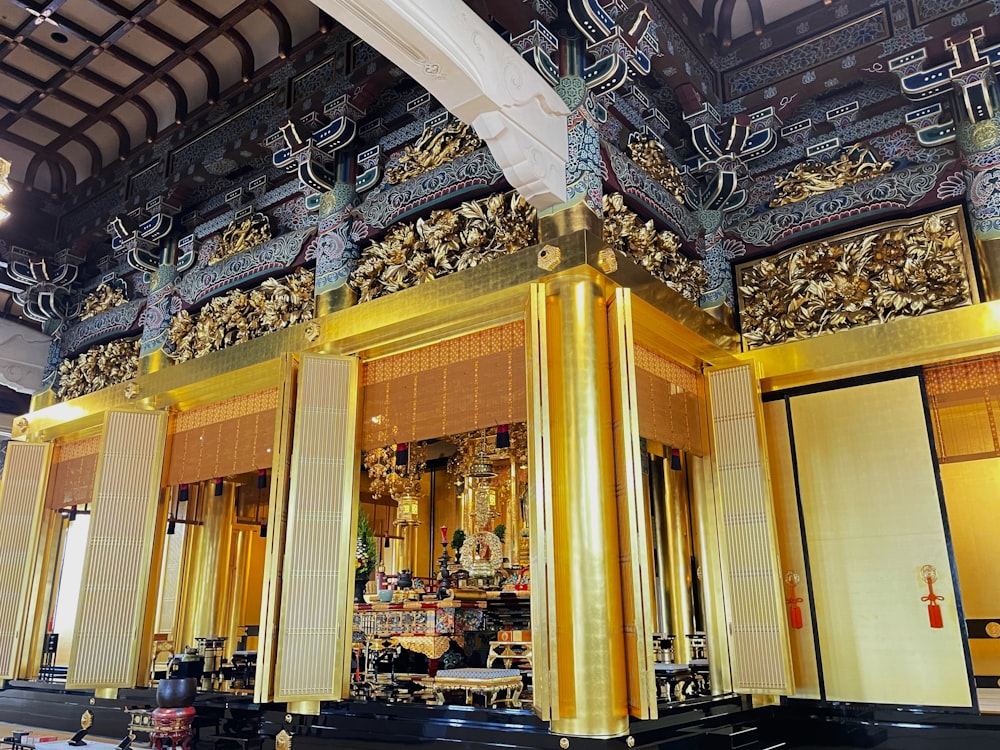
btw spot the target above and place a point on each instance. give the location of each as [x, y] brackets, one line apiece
[364, 557]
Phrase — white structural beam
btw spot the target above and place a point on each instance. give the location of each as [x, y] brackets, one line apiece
[23, 352]
[450, 51]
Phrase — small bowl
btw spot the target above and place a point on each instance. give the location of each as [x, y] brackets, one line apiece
[385, 595]
[371, 598]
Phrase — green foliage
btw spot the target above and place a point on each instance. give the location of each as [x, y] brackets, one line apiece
[500, 531]
[364, 551]
[457, 540]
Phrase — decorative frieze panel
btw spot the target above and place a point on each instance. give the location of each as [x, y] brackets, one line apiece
[893, 270]
[113, 322]
[658, 251]
[99, 367]
[204, 281]
[240, 316]
[445, 242]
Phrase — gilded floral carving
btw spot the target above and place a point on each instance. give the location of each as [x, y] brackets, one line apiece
[240, 236]
[903, 270]
[658, 251]
[99, 367]
[650, 155]
[815, 177]
[436, 146]
[239, 315]
[102, 299]
[447, 241]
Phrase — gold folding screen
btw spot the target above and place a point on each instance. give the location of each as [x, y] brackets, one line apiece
[111, 621]
[22, 494]
[317, 571]
[761, 659]
[634, 531]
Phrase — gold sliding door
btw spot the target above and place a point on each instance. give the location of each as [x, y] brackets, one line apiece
[112, 624]
[316, 569]
[873, 521]
[634, 533]
[761, 658]
[22, 499]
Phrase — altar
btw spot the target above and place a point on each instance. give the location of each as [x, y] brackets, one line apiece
[426, 628]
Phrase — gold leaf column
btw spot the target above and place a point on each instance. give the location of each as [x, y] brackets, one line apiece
[577, 622]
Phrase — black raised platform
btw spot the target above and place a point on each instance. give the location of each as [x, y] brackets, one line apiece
[710, 724]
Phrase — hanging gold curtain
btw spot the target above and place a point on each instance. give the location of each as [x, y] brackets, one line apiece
[71, 480]
[461, 384]
[964, 399]
[230, 437]
[670, 401]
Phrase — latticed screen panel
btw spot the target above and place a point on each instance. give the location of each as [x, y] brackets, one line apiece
[761, 659]
[466, 383]
[964, 399]
[113, 591]
[21, 494]
[74, 465]
[318, 567]
[668, 401]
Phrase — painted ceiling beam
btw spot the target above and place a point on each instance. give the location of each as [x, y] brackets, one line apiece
[446, 48]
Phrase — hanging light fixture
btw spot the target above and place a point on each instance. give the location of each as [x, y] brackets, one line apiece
[408, 503]
[481, 466]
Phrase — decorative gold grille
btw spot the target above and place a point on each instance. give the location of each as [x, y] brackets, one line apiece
[317, 573]
[761, 656]
[21, 495]
[110, 620]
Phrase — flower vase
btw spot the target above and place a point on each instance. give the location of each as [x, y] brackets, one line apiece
[359, 590]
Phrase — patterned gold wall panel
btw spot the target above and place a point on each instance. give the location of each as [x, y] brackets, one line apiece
[22, 497]
[638, 600]
[111, 618]
[317, 574]
[873, 518]
[786, 512]
[761, 659]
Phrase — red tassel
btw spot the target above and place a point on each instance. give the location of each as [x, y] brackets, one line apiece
[795, 616]
[793, 601]
[934, 612]
[932, 599]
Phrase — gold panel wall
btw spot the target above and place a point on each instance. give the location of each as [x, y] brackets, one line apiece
[873, 518]
[793, 564]
[318, 567]
[971, 489]
[111, 621]
[761, 659]
[634, 535]
[22, 494]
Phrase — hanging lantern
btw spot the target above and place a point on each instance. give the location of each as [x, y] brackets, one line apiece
[408, 504]
[481, 466]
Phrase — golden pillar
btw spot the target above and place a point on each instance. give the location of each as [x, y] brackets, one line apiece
[706, 542]
[677, 521]
[671, 532]
[207, 595]
[332, 300]
[591, 692]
